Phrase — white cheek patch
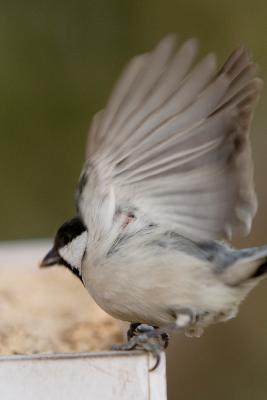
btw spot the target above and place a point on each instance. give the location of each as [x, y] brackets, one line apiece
[73, 252]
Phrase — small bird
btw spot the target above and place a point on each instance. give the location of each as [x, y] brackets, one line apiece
[168, 178]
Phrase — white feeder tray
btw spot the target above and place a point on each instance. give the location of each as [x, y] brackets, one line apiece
[80, 376]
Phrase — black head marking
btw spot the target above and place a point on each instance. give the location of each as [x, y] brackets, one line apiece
[66, 233]
[69, 231]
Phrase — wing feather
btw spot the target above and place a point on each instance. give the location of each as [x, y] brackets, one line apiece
[173, 143]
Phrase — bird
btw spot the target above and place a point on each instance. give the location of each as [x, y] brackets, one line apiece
[167, 183]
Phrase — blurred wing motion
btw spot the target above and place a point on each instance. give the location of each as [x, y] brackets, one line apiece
[173, 141]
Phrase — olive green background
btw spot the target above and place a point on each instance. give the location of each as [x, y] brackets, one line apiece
[58, 62]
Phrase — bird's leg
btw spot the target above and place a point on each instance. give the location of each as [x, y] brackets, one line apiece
[140, 337]
[138, 328]
[150, 338]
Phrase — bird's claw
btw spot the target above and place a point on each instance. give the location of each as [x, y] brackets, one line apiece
[148, 340]
[137, 329]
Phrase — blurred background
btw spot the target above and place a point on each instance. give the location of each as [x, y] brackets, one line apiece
[58, 64]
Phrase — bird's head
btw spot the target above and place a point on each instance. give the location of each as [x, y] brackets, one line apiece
[69, 247]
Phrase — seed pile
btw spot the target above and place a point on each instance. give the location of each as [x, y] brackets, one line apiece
[50, 311]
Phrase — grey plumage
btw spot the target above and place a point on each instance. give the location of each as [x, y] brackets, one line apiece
[168, 175]
[172, 135]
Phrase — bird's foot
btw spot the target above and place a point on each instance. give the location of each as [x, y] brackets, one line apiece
[137, 328]
[154, 339]
[148, 338]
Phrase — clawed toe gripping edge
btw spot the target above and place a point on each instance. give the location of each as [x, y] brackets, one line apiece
[147, 338]
[153, 339]
[141, 342]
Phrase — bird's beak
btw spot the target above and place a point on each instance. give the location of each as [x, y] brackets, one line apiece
[52, 258]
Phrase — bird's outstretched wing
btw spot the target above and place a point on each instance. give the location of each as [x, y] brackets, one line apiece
[173, 141]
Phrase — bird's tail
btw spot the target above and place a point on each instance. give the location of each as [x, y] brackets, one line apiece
[249, 264]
